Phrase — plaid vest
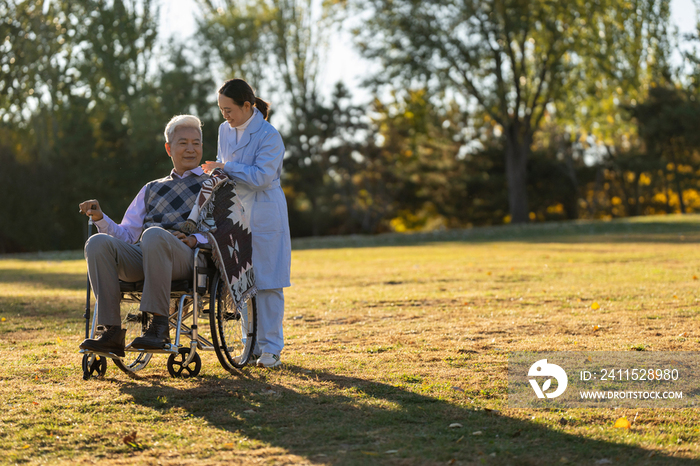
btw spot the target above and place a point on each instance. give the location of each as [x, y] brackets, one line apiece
[169, 201]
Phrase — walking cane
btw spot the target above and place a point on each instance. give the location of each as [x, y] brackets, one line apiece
[89, 290]
[92, 364]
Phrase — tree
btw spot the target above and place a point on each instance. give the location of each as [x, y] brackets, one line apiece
[668, 121]
[82, 112]
[278, 46]
[511, 58]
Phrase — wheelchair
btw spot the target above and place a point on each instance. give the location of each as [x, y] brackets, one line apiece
[231, 333]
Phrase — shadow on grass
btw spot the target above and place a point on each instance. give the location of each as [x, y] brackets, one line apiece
[345, 420]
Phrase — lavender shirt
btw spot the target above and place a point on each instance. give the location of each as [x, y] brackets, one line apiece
[131, 227]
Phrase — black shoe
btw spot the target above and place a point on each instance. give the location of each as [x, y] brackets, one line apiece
[111, 341]
[156, 336]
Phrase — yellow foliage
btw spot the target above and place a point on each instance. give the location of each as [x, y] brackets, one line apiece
[555, 209]
[644, 179]
[616, 200]
[622, 423]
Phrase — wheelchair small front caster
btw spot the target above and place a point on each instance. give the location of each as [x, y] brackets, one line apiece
[176, 367]
[94, 366]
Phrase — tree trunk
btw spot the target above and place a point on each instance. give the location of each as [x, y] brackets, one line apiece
[667, 191]
[517, 152]
[571, 206]
[677, 179]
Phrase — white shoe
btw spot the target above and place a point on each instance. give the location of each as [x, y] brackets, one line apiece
[252, 360]
[269, 360]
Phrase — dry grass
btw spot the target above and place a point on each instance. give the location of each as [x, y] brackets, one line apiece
[388, 343]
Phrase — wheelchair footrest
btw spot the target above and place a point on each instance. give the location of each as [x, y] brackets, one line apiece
[98, 353]
[167, 349]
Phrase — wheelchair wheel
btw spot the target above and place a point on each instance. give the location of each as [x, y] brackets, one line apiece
[94, 366]
[233, 332]
[178, 369]
[135, 322]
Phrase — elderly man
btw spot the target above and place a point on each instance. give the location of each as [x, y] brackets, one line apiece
[147, 244]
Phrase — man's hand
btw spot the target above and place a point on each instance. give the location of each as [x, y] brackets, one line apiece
[210, 166]
[191, 241]
[91, 208]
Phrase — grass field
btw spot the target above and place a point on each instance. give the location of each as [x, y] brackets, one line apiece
[390, 340]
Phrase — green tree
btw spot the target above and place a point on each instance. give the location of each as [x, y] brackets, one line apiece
[519, 61]
[278, 46]
[668, 121]
[83, 111]
[511, 58]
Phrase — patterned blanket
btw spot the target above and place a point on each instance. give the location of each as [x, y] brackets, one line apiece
[218, 213]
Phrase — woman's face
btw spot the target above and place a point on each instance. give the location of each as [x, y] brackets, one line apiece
[234, 114]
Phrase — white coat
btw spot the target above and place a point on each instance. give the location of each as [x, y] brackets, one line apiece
[255, 163]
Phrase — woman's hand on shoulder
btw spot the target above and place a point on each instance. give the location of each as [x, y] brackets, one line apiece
[210, 166]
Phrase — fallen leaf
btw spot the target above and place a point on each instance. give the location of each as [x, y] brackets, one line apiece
[622, 423]
[455, 425]
[26, 446]
[391, 452]
[460, 439]
[596, 327]
[488, 273]
[595, 306]
[129, 439]
[228, 445]
[675, 297]
[683, 335]
[478, 432]
[695, 277]
[3, 319]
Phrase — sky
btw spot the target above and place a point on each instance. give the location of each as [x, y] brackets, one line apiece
[344, 63]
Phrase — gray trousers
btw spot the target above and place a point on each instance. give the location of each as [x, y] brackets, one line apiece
[158, 259]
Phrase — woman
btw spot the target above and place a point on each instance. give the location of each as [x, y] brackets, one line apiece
[250, 151]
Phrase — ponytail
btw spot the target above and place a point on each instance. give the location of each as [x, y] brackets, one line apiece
[240, 92]
[262, 106]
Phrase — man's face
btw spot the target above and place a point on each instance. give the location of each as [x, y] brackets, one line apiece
[185, 149]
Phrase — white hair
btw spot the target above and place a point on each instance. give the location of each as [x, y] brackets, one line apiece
[182, 121]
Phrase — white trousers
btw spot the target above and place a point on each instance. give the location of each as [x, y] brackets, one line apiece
[270, 338]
